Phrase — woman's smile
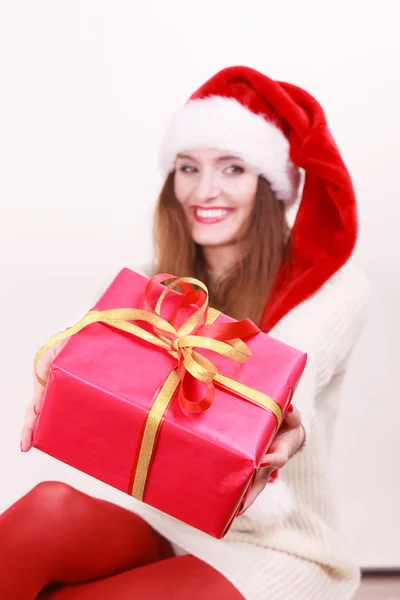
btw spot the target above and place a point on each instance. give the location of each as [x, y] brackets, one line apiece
[211, 215]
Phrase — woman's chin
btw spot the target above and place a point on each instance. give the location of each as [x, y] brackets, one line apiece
[204, 237]
[210, 242]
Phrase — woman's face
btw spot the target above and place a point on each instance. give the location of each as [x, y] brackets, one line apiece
[217, 193]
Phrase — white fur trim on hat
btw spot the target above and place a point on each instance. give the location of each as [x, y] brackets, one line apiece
[225, 124]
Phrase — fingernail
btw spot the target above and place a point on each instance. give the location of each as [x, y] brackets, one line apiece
[20, 445]
[265, 464]
[273, 476]
[290, 409]
[35, 410]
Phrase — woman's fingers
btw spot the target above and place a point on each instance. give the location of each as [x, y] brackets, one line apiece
[283, 447]
[43, 368]
[35, 406]
[287, 442]
[28, 428]
[258, 486]
[292, 419]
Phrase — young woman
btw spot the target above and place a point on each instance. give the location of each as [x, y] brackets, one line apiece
[233, 158]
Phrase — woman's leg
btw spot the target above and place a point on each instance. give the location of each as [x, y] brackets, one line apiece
[178, 578]
[56, 533]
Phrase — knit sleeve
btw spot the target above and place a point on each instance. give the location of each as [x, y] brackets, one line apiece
[327, 327]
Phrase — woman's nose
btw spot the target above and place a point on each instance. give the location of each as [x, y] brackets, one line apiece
[207, 187]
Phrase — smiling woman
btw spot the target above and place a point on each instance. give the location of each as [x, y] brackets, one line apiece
[219, 221]
[231, 160]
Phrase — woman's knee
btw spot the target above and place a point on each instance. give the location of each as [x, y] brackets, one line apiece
[52, 499]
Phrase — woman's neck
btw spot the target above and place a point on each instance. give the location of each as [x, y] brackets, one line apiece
[220, 259]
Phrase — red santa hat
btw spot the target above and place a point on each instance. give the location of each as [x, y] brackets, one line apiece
[277, 128]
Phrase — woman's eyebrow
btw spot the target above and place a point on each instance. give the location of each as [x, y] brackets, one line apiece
[185, 156]
[229, 157]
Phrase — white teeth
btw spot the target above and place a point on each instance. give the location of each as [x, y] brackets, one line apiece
[211, 213]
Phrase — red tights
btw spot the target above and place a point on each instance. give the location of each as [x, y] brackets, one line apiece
[57, 543]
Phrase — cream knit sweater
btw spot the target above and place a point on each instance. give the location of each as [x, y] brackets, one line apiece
[302, 556]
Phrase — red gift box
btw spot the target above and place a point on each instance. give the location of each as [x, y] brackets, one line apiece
[101, 410]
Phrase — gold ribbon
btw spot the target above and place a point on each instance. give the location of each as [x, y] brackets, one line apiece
[179, 343]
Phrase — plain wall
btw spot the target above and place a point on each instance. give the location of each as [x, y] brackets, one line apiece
[86, 89]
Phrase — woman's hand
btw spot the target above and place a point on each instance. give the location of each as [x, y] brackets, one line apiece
[35, 406]
[287, 442]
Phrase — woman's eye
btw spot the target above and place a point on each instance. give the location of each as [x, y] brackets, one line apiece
[187, 169]
[234, 170]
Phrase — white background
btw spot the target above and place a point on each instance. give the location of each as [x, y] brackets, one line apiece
[86, 89]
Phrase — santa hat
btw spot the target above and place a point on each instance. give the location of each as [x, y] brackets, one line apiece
[277, 128]
[226, 123]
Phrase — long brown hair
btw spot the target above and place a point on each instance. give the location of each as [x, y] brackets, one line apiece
[244, 290]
